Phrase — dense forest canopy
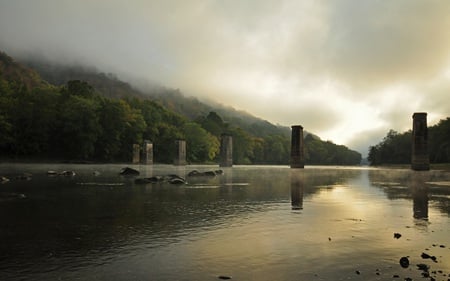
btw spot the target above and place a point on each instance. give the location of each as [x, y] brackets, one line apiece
[395, 148]
[89, 119]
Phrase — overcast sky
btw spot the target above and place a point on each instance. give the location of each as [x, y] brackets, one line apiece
[347, 70]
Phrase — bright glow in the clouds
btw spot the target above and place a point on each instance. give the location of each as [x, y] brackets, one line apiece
[347, 70]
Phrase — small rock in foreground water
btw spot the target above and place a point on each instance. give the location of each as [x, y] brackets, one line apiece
[404, 262]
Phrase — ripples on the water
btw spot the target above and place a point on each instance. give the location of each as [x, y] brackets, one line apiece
[251, 223]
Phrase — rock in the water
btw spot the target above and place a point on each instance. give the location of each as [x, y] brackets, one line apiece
[397, 235]
[4, 179]
[423, 267]
[67, 173]
[427, 256]
[177, 181]
[196, 173]
[127, 171]
[224, 277]
[404, 262]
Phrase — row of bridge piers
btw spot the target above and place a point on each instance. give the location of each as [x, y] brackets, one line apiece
[419, 156]
[144, 154]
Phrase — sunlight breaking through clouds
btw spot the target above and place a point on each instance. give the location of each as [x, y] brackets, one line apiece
[341, 68]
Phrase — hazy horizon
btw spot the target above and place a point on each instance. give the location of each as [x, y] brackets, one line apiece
[348, 71]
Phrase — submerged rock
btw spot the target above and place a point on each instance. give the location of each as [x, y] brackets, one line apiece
[177, 181]
[173, 179]
[24, 176]
[149, 180]
[404, 262]
[196, 173]
[427, 256]
[423, 267]
[3, 179]
[127, 171]
[67, 173]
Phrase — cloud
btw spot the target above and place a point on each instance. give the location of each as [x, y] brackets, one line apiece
[376, 43]
[343, 69]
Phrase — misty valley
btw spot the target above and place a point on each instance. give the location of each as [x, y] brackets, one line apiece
[224, 140]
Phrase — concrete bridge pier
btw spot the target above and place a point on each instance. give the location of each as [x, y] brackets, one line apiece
[420, 160]
[297, 147]
[226, 151]
[136, 154]
[147, 153]
[180, 153]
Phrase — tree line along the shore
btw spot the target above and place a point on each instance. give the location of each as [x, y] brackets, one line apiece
[41, 121]
[395, 148]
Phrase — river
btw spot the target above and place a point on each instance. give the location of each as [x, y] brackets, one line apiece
[249, 223]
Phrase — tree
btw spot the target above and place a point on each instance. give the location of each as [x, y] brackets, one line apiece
[78, 127]
[242, 147]
[201, 145]
[395, 148]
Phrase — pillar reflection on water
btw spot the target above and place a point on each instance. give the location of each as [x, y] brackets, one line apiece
[297, 189]
[419, 192]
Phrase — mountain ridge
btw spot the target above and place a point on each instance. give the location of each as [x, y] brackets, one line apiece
[80, 112]
[173, 99]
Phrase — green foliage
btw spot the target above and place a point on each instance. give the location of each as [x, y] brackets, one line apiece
[395, 148]
[277, 149]
[327, 153]
[95, 116]
[79, 127]
[201, 145]
[439, 142]
[213, 123]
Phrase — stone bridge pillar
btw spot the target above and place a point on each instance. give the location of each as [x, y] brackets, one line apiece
[136, 154]
[297, 147]
[180, 153]
[226, 151]
[420, 159]
[147, 153]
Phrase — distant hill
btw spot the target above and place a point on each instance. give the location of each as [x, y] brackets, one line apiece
[19, 74]
[173, 99]
[50, 111]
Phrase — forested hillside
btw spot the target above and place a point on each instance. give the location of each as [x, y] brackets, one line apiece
[396, 147]
[91, 116]
[173, 99]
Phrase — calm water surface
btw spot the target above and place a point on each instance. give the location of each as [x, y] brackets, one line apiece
[251, 223]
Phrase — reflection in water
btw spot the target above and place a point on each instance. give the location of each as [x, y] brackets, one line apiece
[297, 189]
[227, 225]
[420, 196]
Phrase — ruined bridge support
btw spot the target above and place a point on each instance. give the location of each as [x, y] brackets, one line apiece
[420, 160]
[297, 147]
[226, 151]
[147, 153]
[180, 153]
